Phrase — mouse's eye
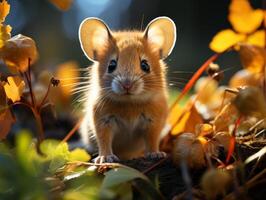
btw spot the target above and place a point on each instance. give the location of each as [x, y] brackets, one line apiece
[112, 66]
[145, 66]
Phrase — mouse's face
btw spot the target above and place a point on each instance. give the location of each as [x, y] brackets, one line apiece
[130, 64]
[129, 69]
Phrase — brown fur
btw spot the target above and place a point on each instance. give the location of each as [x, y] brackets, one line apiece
[127, 125]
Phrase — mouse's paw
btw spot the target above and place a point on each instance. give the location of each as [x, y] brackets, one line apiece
[109, 159]
[156, 155]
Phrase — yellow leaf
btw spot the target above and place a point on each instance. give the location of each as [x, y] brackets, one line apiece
[62, 4]
[243, 18]
[225, 39]
[4, 34]
[257, 38]
[4, 10]
[188, 121]
[79, 155]
[14, 88]
[252, 58]
[18, 50]
[238, 6]
[180, 127]
[67, 74]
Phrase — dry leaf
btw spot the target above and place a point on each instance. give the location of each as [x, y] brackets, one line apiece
[62, 4]
[252, 57]
[205, 87]
[223, 138]
[18, 50]
[243, 18]
[225, 39]
[257, 38]
[4, 10]
[245, 78]
[215, 182]
[225, 118]
[188, 121]
[3, 100]
[4, 34]
[250, 101]
[14, 88]
[188, 148]
[192, 149]
[203, 129]
[6, 121]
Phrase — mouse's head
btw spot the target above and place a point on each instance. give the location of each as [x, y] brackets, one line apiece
[130, 63]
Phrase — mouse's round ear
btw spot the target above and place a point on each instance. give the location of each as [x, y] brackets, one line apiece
[161, 32]
[94, 34]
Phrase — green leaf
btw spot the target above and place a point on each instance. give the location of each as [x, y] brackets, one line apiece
[57, 152]
[120, 175]
[79, 155]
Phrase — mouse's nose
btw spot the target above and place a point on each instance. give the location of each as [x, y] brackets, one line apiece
[127, 84]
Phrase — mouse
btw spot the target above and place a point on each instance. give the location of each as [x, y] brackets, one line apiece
[125, 104]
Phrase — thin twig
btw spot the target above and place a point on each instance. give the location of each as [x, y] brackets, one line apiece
[46, 94]
[73, 130]
[155, 165]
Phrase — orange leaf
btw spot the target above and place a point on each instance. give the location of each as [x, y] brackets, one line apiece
[205, 88]
[14, 88]
[4, 10]
[243, 17]
[238, 6]
[257, 38]
[3, 100]
[67, 74]
[245, 78]
[252, 58]
[62, 4]
[6, 121]
[18, 50]
[187, 122]
[4, 34]
[225, 39]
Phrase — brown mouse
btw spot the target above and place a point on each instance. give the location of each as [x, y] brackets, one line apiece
[126, 101]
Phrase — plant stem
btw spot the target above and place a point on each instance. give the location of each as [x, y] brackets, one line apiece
[33, 106]
[195, 77]
[46, 95]
[28, 78]
[73, 130]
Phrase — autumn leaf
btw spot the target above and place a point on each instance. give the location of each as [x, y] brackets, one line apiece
[257, 39]
[18, 50]
[62, 4]
[3, 100]
[225, 39]
[188, 121]
[14, 88]
[6, 121]
[252, 58]
[4, 34]
[243, 17]
[225, 118]
[4, 10]
[67, 73]
[245, 78]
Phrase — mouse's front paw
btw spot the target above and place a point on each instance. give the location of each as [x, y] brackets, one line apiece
[109, 159]
[155, 155]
